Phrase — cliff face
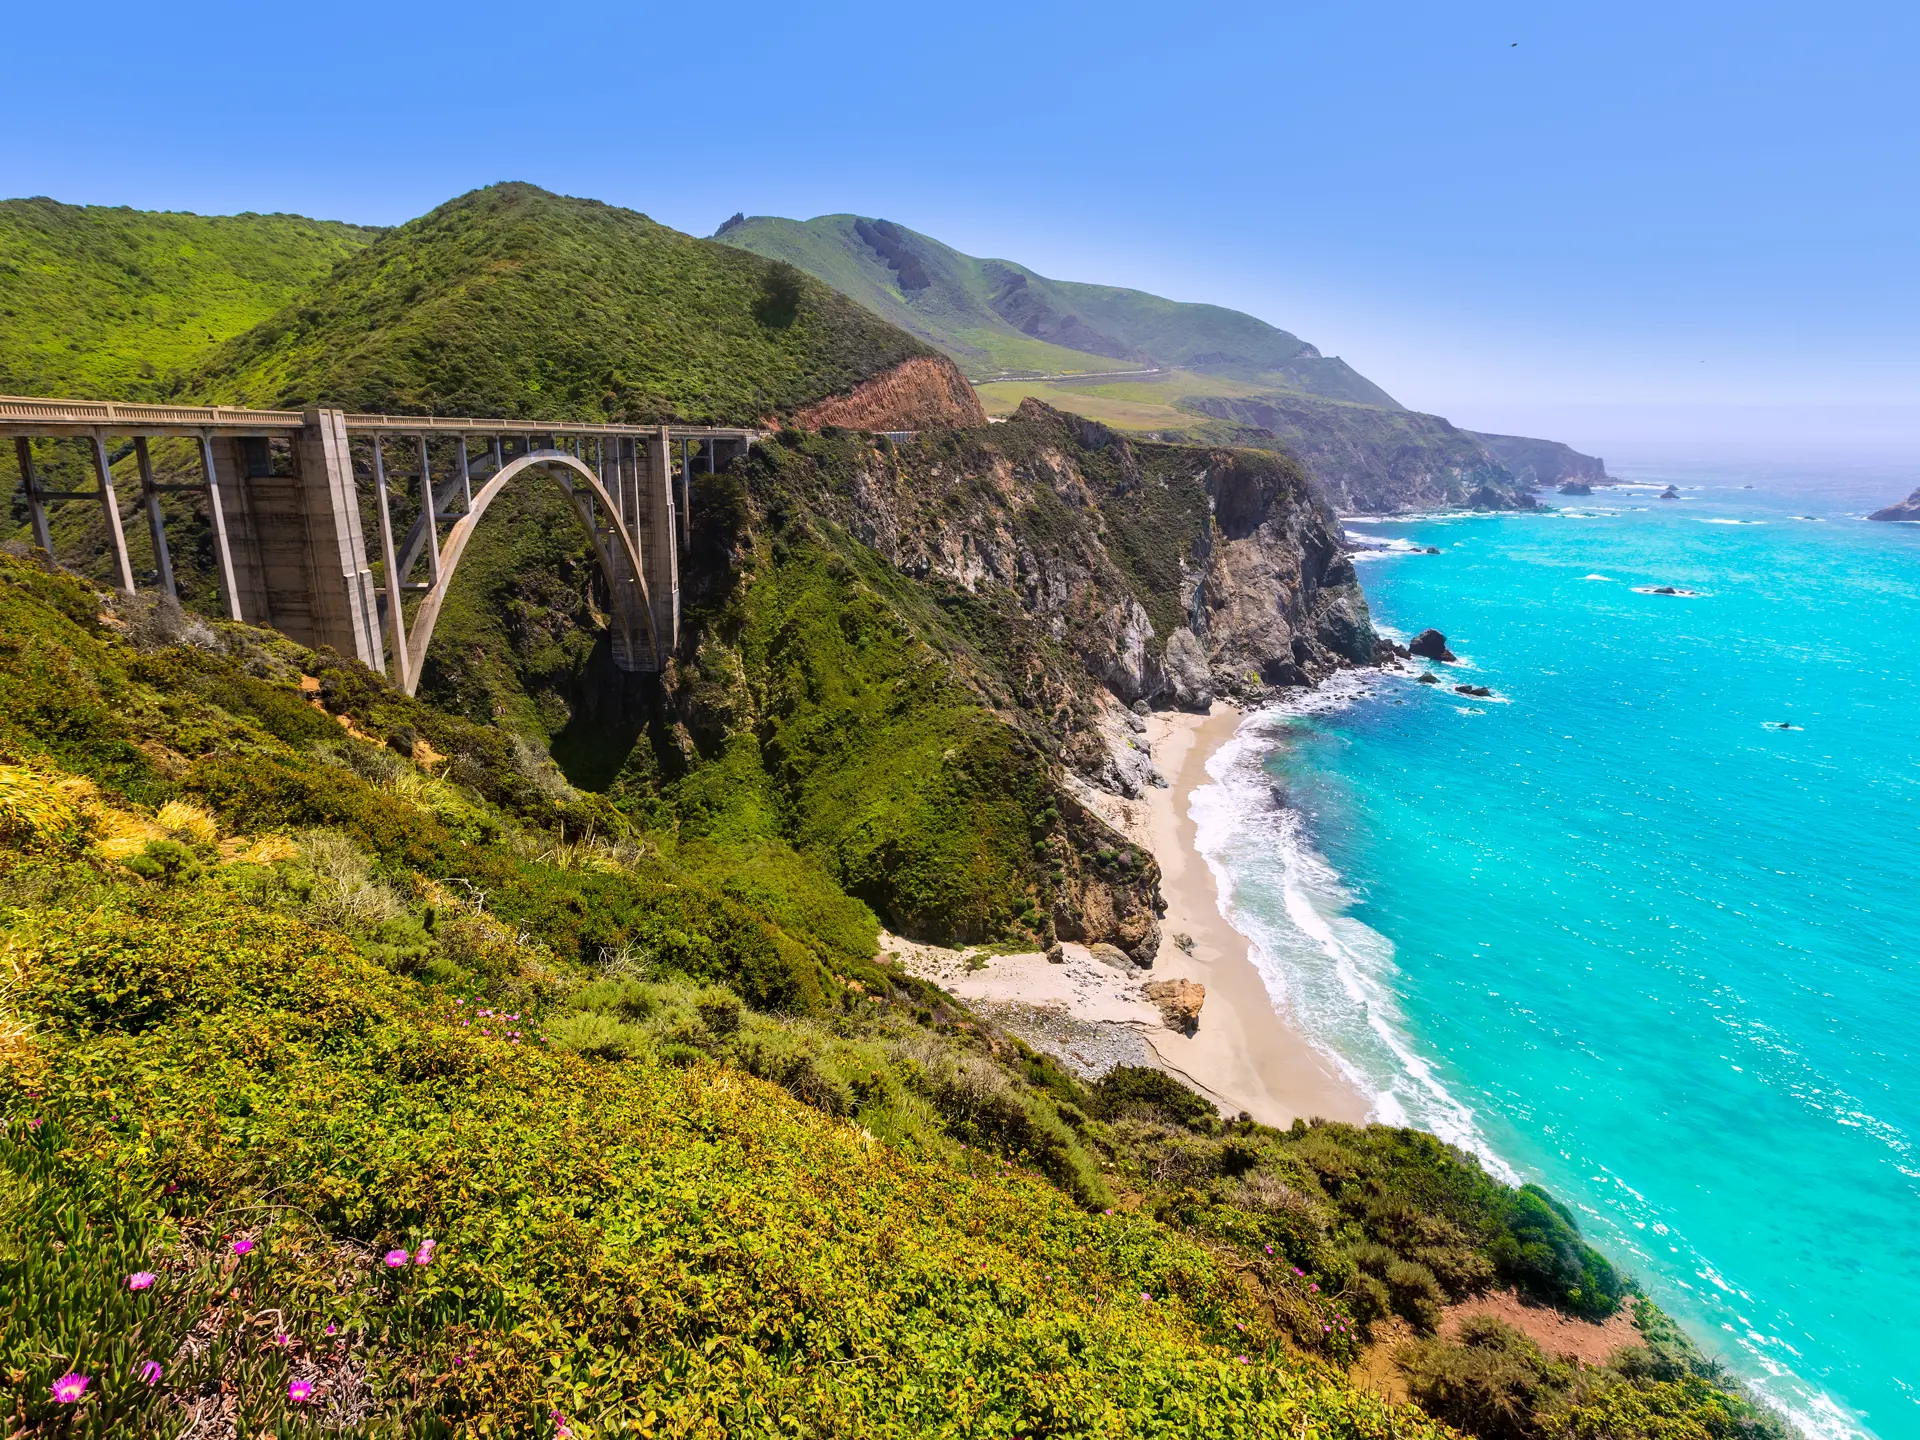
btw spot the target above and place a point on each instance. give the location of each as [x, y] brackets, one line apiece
[1544, 463]
[933, 648]
[1372, 461]
[1173, 573]
[916, 394]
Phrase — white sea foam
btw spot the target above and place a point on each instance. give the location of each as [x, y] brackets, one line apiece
[1334, 976]
[1331, 973]
[1607, 578]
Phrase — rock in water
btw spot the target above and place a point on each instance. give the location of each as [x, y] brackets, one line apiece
[1478, 691]
[1576, 487]
[1179, 1002]
[1429, 678]
[1907, 509]
[1431, 645]
[1670, 493]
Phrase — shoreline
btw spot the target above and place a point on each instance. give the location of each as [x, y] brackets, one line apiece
[1244, 1050]
[1092, 1014]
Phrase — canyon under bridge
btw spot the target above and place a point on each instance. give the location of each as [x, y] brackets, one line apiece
[287, 511]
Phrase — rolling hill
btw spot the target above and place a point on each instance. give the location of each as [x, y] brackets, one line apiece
[998, 318]
[1163, 368]
[110, 303]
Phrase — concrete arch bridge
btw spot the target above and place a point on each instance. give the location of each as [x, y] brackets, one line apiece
[284, 494]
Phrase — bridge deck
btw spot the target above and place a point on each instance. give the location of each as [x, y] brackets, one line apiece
[25, 415]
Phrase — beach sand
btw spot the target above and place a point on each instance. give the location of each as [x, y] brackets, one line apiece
[1243, 1053]
[1093, 1015]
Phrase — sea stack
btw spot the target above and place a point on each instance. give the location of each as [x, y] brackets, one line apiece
[1430, 644]
[1670, 493]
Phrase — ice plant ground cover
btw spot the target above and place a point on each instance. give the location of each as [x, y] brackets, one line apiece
[736, 1178]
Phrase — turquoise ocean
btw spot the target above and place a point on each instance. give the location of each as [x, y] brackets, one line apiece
[1614, 929]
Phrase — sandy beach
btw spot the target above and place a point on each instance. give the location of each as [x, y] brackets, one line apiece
[1093, 1014]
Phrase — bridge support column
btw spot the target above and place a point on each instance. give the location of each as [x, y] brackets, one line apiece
[156, 526]
[656, 532]
[36, 506]
[110, 503]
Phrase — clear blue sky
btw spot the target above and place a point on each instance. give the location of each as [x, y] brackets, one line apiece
[1485, 207]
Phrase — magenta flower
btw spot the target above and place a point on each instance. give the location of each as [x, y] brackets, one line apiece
[71, 1387]
[395, 1259]
[1242, 1359]
[459, 1002]
[425, 1255]
[1146, 1297]
[141, 1280]
[35, 1123]
[300, 1391]
[150, 1372]
[283, 1339]
[333, 1329]
[1313, 1289]
[241, 1247]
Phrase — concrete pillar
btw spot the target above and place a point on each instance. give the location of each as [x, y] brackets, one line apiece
[656, 537]
[156, 525]
[226, 512]
[340, 598]
[110, 503]
[36, 506]
[402, 662]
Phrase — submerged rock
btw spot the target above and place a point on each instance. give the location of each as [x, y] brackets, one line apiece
[1478, 691]
[1430, 644]
[1429, 678]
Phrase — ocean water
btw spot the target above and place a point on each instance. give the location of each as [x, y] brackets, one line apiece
[1616, 930]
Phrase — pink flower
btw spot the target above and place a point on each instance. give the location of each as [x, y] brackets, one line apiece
[1313, 1289]
[71, 1387]
[150, 1372]
[1270, 1251]
[241, 1247]
[35, 1124]
[283, 1339]
[396, 1259]
[141, 1280]
[300, 1391]
[1327, 1328]
[425, 1254]
[1243, 1359]
[459, 1002]
[1146, 1297]
[333, 1329]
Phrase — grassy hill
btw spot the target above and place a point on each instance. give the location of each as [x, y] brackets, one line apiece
[997, 317]
[513, 301]
[328, 1044]
[100, 302]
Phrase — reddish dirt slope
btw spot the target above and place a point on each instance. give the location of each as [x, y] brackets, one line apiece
[916, 394]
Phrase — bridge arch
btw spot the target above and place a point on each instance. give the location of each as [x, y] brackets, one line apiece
[613, 548]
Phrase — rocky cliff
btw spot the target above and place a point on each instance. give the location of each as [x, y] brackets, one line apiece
[1544, 463]
[1374, 461]
[923, 653]
[916, 394]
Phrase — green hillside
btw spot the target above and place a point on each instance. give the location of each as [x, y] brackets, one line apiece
[108, 302]
[329, 1045]
[513, 301]
[997, 317]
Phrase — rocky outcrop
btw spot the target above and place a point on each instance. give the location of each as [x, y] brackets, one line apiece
[1179, 1002]
[917, 394]
[1372, 461]
[1430, 645]
[1907, 509]
[1545, 464]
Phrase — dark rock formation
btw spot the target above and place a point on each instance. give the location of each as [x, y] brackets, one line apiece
[1429, 678]
[1545, 463]
[1478, 691]
[1670, 493]
[1576, 487]
[1431, 645]
[1907, 509]
[1373, 461]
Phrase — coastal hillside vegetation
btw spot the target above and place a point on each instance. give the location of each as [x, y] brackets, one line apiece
[360, 1075]
[109, 303]
[996, 316]
[511, 301]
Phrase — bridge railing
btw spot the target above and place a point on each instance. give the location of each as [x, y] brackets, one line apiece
[282, 495]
